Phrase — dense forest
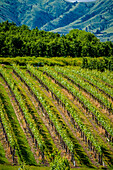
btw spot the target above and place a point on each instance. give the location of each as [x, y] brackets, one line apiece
[21, 41]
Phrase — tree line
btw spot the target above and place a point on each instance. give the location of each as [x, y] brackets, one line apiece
[21, 41]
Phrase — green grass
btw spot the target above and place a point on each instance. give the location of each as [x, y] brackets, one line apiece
[9, 167]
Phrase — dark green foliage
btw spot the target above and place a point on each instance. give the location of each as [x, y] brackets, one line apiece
[99, 63]
[85, 63]
[21, 41]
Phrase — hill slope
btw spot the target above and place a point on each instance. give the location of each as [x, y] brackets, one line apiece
[61, 16]
[99, 20]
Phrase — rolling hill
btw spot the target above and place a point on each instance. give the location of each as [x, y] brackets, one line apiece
[61, 16]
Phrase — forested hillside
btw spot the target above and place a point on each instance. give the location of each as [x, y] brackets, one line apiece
[61, 16]
[21, 41]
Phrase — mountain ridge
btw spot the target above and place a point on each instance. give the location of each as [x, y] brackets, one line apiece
[61, 16]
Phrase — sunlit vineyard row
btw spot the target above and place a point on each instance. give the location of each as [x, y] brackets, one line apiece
[56, 111]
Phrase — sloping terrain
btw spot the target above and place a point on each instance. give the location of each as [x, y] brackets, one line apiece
[61, 16]
[32, 13]
[51, 111]
[98, 20]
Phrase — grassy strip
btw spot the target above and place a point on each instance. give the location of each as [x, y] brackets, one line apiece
[4, 167]
[40, 61]
[26, 167]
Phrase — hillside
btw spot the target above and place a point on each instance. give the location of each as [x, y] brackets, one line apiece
[98, 20]
[61, 16]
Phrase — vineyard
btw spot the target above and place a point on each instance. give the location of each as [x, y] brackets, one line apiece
[56, 111]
